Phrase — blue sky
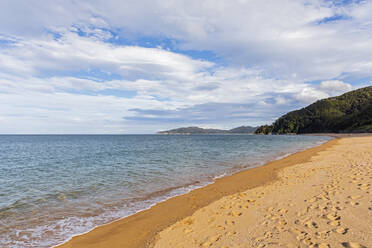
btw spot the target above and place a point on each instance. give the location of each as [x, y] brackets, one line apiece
[119, 67]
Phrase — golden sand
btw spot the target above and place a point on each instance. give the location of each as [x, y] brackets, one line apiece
[325, 202]
[317, 198]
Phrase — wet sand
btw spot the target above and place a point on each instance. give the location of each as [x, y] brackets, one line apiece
[317, 197]
[324, 202]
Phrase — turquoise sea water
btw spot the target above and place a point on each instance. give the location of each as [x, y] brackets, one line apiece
[55, 186]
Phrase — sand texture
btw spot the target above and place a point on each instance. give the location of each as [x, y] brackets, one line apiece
[323, 202]
[138, 230]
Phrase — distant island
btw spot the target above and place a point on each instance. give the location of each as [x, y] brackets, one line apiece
[348, 113]
[198, 130]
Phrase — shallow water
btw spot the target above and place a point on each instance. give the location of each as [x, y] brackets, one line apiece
[55, 186]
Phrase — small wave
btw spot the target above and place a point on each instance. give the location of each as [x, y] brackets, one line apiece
[56, 229]
[146, 203]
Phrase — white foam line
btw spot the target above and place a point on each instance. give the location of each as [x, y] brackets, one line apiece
[187, 190]
[193, 187]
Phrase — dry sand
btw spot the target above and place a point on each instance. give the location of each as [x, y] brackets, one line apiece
[317, 198]
[325, 202]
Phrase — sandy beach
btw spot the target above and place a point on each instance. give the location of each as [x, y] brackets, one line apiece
[320, 197]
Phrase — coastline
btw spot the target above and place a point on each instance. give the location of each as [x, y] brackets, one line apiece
[321, 203]
[140, 229]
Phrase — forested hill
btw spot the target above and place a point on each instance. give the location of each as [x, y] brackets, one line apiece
[350, 112]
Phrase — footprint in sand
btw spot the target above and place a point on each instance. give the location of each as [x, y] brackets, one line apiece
[259, 239]
[211, 240]
[188, 221]
[313, 206]
[342, 230]
[322, 245]
[355, 197]
[230, 222]
[268, 235]
[279, 229]
[311, 224]
[211, 220]
[282, 211]
[268, 216]
[301, 236]
[311, 200]
[220, 227]
[265, 223]
[227, 206]
[235, 213]
[307, 241]
[364, 185]
[274, 218]
[323, 207]
[352, 203]
[270, 209]
[243, 206]
[323, 234]
[302, 213]
[228, 234]
[336, 208]
[352, 245]
[333, 223]
[233, 197]
[333, 216]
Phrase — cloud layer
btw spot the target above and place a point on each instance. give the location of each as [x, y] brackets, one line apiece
[116, 67]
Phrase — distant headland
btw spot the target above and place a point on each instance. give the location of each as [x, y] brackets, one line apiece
[348, 113]
[198, 130]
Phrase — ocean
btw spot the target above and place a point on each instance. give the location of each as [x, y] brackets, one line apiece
[53, 187]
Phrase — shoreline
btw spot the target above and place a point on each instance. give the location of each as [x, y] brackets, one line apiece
[321, 203]
[140, 229]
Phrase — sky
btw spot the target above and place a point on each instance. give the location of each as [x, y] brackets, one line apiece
[141, 66]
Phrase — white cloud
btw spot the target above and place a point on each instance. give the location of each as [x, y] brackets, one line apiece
[254, 33]
[281, 100]
[309, 95]
[54, 80]
[160, 80]
[335, 86]
[73, 53]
